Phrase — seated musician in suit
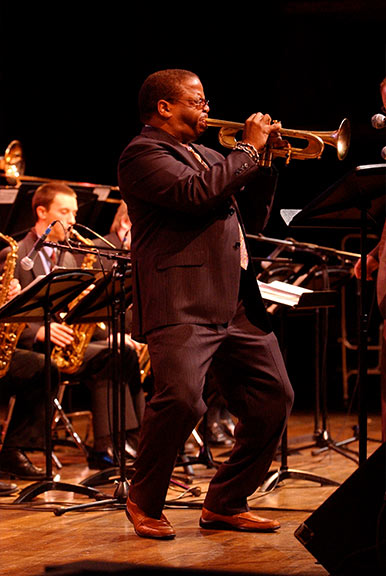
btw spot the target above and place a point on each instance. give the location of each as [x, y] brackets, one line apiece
[57, 202]
[22, 376]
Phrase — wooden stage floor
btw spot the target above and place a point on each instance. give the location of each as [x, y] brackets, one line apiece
[35, 541]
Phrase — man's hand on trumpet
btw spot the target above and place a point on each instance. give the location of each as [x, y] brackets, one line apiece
[258, 128]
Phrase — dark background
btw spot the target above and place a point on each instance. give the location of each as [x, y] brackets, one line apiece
[70, 74]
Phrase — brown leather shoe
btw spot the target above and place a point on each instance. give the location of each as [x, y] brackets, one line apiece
[245, 521]
[146, 526]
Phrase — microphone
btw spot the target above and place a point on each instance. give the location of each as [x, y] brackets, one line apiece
[378, 121]
[27, 263]
[124, 239]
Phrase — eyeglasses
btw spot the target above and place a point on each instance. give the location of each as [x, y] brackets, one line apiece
[199, 104]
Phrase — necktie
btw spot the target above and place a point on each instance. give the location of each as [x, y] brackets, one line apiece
[243, 248]
[53, 259]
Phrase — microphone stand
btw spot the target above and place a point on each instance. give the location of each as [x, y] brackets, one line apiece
[112, 293]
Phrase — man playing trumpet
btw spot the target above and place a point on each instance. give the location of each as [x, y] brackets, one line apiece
[196, 302]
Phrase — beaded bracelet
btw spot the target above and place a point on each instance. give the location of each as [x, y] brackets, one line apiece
[249, 149]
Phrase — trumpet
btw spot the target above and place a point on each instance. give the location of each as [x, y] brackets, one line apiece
[315, 141]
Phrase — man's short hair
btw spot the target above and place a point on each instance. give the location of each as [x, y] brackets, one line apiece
[161, 85]
[44, 195]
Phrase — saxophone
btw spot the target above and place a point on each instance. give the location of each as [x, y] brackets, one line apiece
[9, 332]
[70, 358]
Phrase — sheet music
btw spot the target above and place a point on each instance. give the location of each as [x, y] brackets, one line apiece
[281, 292]
[289, 214]
[8, 195]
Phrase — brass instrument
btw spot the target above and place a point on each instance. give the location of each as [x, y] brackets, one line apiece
[12, 167]
[12, 163]
[69, 358]
[339, 138]
[9, 332]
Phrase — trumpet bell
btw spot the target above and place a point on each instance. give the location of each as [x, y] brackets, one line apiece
[340, 138]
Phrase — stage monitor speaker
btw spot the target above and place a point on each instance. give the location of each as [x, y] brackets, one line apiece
[347, 533]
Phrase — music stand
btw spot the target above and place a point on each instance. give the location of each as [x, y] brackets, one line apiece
[313, 261]
[308, 300]
[355, 201]
[108, 302]
[40, 300]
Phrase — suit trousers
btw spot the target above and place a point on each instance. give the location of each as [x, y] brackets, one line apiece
[25, 380]
[253, 380]
[383, 383]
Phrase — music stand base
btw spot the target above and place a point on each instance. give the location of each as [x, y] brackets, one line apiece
[274, 478]
[106, 476]
[118, 500]
[33, 490]
[326, 443]
[323, 442]
[87, 505]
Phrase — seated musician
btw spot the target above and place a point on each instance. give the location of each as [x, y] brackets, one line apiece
[52, 202]
[22, 376]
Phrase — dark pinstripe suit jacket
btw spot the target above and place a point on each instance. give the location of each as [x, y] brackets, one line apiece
[185, 234]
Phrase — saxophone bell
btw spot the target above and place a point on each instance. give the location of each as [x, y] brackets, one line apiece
[87, 241]
[73, 234]
[9, 331]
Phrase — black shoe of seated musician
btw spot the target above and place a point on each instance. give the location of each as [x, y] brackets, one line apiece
[130, 451]
[100, 460]
[16, 464]
[7, 489]
[227, 423]
[131, 445]
[215, 435]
